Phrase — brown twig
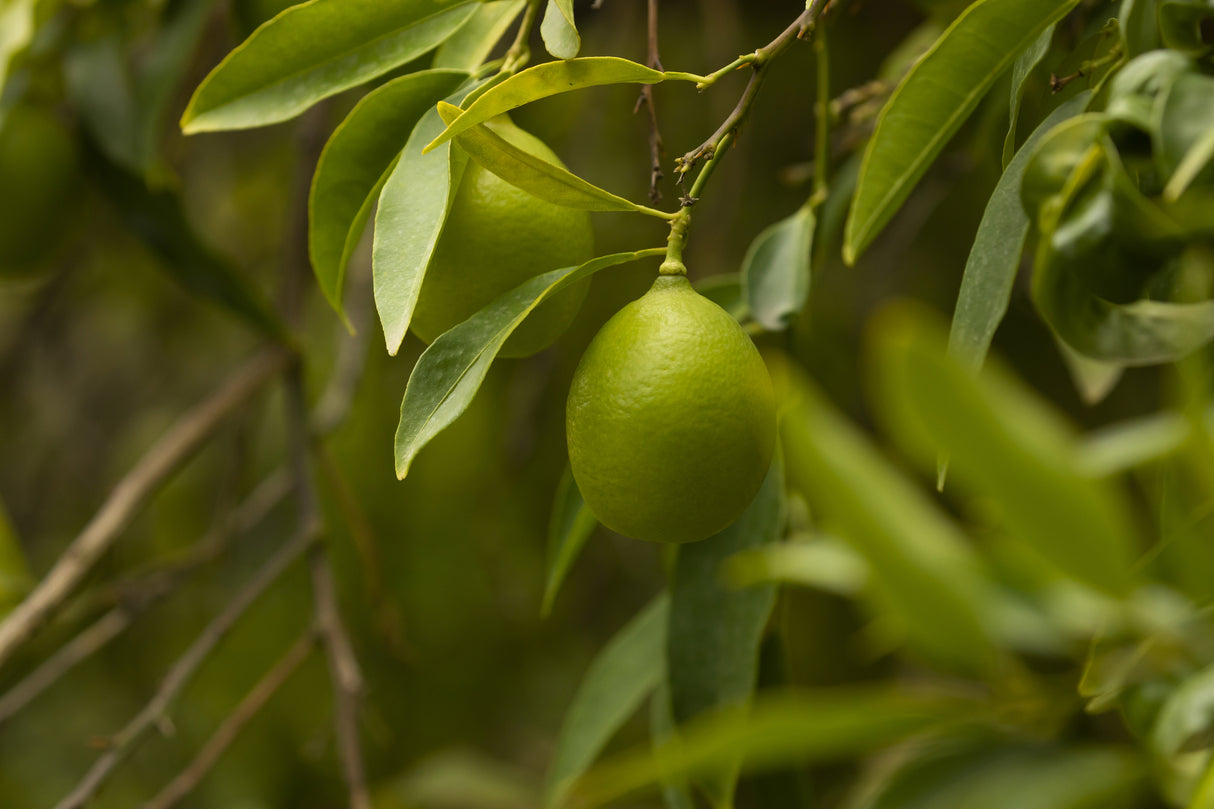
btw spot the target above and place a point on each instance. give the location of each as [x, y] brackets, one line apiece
[185, 438]
[230, 729]
[655, 135]
[135, 595]
[123, 743]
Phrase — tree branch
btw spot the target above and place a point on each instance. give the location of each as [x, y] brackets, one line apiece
[655, 135]
[230, 729]
[123, 743]
[185, 438]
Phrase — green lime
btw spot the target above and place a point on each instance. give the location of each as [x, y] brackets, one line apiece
[496, 237]
[39, 174]
[671, 418]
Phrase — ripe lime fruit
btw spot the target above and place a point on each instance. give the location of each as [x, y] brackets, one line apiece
[496, 237]
[39, 171]
[671, 418]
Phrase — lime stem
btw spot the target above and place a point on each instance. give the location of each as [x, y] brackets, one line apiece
[520, 53]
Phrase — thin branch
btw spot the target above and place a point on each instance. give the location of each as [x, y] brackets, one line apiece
[655, 135]
[156, 466]
[123, 743]
[134, 596]
[230, 729]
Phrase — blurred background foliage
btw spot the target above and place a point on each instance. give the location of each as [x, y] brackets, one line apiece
[109, 335]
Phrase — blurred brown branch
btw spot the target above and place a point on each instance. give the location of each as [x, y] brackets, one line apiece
[655, 134]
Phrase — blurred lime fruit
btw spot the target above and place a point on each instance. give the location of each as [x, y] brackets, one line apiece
[496, 237]
[671, 418]
[39, 173]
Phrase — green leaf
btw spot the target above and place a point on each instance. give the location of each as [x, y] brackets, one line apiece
[451, 370]
[1183, 734]
[15, 579]
[314, 50]
[661, 727]
[1093, 379]
[16, 31]
[1126, 445]
[1139, 27]
[536, 176]
[823, 563]
[413, 205]
[571, 525]
[712, 640]
[924, 571]
[990, 271]
[1006, 446]
[932, 102]
[1025, 64]
[471, 45]
[623, 674]
[1180, 25]
[549, 79]
[158, 218]
[1184, 144]
[559, 31]
[354, 166]
[780, 729]
[776, 270]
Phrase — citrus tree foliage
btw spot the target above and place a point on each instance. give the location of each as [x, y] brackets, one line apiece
[1035, 632]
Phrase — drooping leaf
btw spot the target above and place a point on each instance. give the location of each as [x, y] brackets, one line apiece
[355, 163]
[449, 373]
[16, 31]
[990, 271]
[472, 44]
[1025, 64]
[314, 50]
[549, 79]
[932, 102]
[413, 205]
[1006, 446]
[712, 642]
[571, 525]
[623, 674]
[159, 220]
[923, 569]
[1139, 26]
[780, 729]
[776, 270]
[559, 30]
[536, 176]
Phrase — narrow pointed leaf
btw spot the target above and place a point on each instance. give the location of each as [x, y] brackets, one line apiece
[314, 50]
[623, 674]
[559, 30]
[571, 525]
[781, 729]
[990, 271]
[413, 205]
[712, 643]
[471, 45]
[932, 102]
[536, 176]
[776, 270]
[549, 79]
[355, 163]
[1025, 64]
[451, 370]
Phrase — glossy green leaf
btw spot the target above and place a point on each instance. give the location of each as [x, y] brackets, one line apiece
[776, 270]
[158, 218]
[451, 370]
[413, 205]
[473, 43]
[15, 579]
[932, 102]
[16, 31]
[569, 528]
[314, 50]
[623, 674]
[549, 79]
[1004, 445]
[354, 166]
[780, 729]
[823, 563]
[923, 569]
[712, 641]
[536, 176]
[1025, 64]
[559, 30]
[1139, 26]
[990, 271]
